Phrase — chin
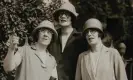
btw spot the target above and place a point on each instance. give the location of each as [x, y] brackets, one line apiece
[45, 43]
[92, 43]
[65, 24]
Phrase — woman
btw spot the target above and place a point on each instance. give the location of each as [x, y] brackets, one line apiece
[99, 62]
[33, 62]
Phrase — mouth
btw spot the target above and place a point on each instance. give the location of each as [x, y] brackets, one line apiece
[90, 38]
[45, 38]
[63, 20]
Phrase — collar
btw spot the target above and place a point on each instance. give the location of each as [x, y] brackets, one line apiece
[104, 49]
[74, 32]
[33, 47]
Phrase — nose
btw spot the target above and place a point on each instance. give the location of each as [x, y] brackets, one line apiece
[89, 33]
[63, 16]
[46, 32]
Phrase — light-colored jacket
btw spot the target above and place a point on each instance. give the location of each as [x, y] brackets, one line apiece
[30, 65]
[109, 67]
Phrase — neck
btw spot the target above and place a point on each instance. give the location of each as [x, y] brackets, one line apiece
[41, 47]
[67, 29]
[97, 47]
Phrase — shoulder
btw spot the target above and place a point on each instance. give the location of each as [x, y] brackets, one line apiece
[26, 46]
[52, 58]
[114, 53]
[77, 34]
[23, 50]
[83, 54]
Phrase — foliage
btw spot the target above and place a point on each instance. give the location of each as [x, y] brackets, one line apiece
[110, 9]
[21, 17]
[107, 9]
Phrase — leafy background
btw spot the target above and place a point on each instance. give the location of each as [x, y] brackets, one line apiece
[22, 16]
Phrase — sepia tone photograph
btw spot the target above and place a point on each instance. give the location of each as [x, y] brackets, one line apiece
[66, 39]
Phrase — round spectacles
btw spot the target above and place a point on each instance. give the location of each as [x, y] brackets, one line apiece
[45, 30]
[92, 31]
[64, 13]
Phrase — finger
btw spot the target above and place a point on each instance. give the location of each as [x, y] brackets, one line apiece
[9, 41]
[15, 42]
[15, 37]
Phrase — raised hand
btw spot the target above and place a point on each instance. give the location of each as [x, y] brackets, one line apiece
[13, 41]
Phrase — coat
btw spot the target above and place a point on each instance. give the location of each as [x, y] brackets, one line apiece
[32, 67]
[110, 66]
[67, 60]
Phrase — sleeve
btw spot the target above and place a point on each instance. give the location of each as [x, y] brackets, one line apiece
[78, 69]
[18, 57]
[12, 60]
[54, 75]
[119, 68]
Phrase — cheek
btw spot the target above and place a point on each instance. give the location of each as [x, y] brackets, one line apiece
[50, 36]
[96, 36]
[59, 19]
[69, 19]
[86, 36]
[60, 22]
[39, 36]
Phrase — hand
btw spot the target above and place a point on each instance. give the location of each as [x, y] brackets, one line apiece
[13, 41]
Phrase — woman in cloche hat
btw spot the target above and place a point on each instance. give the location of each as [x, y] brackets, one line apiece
[33, 62]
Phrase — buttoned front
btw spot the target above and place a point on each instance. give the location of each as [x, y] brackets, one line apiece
[33, 67]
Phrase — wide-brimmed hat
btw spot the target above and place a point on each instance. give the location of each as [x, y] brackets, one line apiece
[66, 7]
[47, 25]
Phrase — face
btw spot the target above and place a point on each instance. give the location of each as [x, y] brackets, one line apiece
[92, 36]
[64, 19]
[122, 48]
[45, 36]
[107, 40]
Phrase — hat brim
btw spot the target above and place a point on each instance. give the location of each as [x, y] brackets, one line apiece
[56, 14]
[85, 31]
[34, 32]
